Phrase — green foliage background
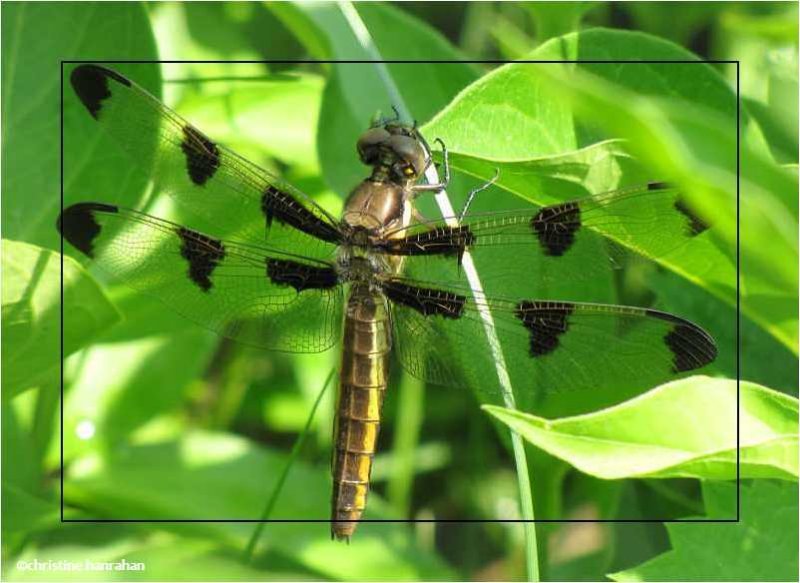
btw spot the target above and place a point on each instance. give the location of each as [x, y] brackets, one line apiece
[186, 426]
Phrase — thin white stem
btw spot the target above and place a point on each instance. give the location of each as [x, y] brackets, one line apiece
[476, 287]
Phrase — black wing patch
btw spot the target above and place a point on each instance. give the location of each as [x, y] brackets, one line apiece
[696, 224]
[426, 301]
[239, 290]
[300, 276]
[227, 192]
[691, 346]
[79, 226]
[444, 240]
[91, 85]
[202, 155]
[562, 241]
[203, 253]
[549, 346]
[279, 205]
[546, 322]
[555, 227]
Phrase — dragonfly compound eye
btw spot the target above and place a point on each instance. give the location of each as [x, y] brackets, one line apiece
[410, 154]
[369, 144]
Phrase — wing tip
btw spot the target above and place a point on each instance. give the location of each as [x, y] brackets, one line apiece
[691, 346]
[90, 83]
[78, 225]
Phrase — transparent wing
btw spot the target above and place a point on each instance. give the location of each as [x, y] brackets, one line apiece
[548, 346]
[227, 192]
[551, 243]
[253, 294]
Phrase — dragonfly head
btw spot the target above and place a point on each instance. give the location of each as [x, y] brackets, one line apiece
[396, 150]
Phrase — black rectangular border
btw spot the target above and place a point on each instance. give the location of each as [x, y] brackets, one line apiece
[413, 520]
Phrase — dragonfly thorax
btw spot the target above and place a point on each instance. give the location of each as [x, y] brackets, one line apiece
[358, 265]
[373, 208]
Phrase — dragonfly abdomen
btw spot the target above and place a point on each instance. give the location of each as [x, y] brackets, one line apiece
[362, 385]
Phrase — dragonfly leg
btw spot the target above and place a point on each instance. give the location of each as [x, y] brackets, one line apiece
[417, 188]
[475, 191]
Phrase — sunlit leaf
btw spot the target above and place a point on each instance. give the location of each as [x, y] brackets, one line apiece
[32, 313]
[38, 38]
[762, 546]
[211, 476]
[686, 428]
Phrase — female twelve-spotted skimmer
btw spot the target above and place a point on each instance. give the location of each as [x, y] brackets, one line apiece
[288, 274]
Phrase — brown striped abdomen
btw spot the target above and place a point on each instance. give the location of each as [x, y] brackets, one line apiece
[362, 385]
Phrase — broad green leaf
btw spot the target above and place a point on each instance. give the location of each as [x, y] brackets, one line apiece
[24, 513]
[32, 313]
[223, 32]
[762, 546]
[275, 117]
[303, 28]
[503, 117]
[35, 38]
[696, 149]
[507, 116]
[221, 476]
[527, 173]
[686, 428]
[106, 404]
[356, 91]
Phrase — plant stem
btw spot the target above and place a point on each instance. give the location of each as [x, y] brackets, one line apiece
[526, 507]
[364, 39]
[409, 420]
[251, 544]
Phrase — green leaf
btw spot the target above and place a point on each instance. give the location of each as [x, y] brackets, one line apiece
[686, 428]
[24, 513]
[695, 148]
[680, 26]
[210, 475]
[277, 117]
[762, 546]
[503, 116]
[145, 384]
[536, 165]
[355, 92]
[35, 38]
[32, 313]
[778, 116]
[557, 18]
[697, 84]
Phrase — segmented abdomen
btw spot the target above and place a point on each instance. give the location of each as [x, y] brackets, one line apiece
[362, 385]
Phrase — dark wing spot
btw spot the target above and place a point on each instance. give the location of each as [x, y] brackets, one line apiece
[202, 155]
[658, 186]
[276, 204]
[300, 276]
[426, 301]
[78, 225]
[203, 254]
[691, 346]
[556, 225]
[696, 225]
[446, 241]
[546, 321]
[90, 83]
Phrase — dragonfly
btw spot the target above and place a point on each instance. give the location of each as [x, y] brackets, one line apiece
[381, 279]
